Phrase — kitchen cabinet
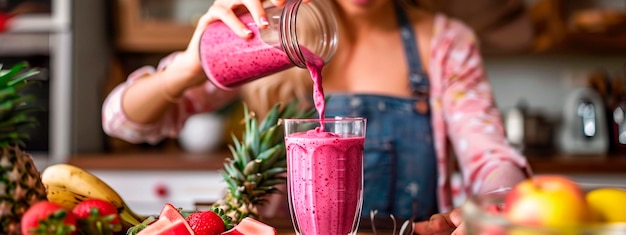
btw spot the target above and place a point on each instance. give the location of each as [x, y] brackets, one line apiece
[149, 26]
[579, 26]
[146, 192]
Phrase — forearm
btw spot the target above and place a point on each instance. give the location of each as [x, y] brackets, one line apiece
[149, 97]
[502, 175]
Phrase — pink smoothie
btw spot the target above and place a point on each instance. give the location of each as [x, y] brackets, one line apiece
[230, 61]
[325, 181]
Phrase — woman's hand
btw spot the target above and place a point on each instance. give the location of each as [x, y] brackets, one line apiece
[440, 224]
[188, 62]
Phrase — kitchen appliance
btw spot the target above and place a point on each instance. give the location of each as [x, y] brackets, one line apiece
[584, 129]
[40, 34]
[528, 130]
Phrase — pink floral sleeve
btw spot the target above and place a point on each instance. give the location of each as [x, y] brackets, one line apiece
[205, 98]
[472, 120]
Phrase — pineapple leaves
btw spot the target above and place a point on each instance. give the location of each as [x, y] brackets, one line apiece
[15, 107]
[270, 137]
[7, 75]
[7, 93]
[252, 167]
[258, 160]
[271, 119]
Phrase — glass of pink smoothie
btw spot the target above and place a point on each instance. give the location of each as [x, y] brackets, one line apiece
[325, 174]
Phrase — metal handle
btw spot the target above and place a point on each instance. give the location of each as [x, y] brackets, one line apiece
[587, 113]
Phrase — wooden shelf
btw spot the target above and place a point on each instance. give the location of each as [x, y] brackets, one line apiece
[579, 164]
[151, 161]
[135, 33]
[556, 163]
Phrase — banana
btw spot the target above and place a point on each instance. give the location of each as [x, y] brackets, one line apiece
[68, 185]
[65, 198]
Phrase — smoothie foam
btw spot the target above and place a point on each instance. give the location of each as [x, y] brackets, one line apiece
[325, 185]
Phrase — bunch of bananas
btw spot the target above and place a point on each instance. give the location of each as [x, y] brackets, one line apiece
[68, 185]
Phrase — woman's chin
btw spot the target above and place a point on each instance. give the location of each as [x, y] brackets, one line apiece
[361, 3]
[360, 7]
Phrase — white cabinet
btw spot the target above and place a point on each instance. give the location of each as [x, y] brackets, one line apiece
[147, 191]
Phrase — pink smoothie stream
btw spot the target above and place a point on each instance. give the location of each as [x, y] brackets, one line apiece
[325, 182]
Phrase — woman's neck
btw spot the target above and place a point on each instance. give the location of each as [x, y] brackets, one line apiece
[357, 25]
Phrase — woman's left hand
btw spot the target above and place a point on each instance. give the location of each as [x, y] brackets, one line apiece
[440, 224]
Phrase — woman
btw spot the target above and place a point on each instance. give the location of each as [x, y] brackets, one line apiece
[417, 76]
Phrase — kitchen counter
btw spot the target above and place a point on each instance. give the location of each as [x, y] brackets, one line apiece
[383, 226]
[283, 227]
[552, 163]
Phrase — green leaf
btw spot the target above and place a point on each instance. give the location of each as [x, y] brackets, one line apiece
[8, 75]
[273, 172]
[270, 119]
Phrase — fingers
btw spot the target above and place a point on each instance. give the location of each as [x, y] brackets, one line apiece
[279, 3]
[455, 217]
[228, 11]
[257, 12]
[229, 18]
[460, 230]
[438, 224]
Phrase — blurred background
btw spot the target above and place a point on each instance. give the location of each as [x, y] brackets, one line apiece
[557, 68]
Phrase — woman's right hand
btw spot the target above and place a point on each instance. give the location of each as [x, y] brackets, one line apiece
[226, 11]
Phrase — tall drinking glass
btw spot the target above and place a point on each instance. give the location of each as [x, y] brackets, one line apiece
[325, 174]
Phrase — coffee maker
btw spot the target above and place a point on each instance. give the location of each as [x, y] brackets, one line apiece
[584, 129]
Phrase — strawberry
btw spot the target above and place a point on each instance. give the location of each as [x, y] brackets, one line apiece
[207, 222]
[4, 19]
[97, 217]
[48, 218]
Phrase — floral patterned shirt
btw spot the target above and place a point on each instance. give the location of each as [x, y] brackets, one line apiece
[463, 112]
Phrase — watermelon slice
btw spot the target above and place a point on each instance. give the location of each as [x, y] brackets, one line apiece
[250, 226]
[170, 222]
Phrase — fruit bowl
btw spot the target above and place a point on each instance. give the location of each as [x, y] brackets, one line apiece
[485, 215]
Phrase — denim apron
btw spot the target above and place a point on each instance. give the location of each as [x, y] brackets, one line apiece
[400, 171]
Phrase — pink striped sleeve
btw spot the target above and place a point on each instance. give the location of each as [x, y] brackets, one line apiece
[115, 123]
[474, 124]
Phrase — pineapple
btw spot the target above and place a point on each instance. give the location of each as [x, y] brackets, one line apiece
[20, 182]
[258, 162]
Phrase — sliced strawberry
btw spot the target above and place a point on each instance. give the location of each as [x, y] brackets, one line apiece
[48, 218]
[250, 226]
[206, 223]
[96, 216]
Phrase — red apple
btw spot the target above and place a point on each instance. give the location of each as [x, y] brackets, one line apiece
[547, 200]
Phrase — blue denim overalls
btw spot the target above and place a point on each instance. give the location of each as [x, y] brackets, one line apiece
[400, 162]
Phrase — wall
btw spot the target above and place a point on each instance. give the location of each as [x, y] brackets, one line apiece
[543, 80]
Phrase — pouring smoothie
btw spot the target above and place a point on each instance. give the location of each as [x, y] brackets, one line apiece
[324, 167]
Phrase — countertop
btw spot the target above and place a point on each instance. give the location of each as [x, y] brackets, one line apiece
[545, 163]
[383, 226]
